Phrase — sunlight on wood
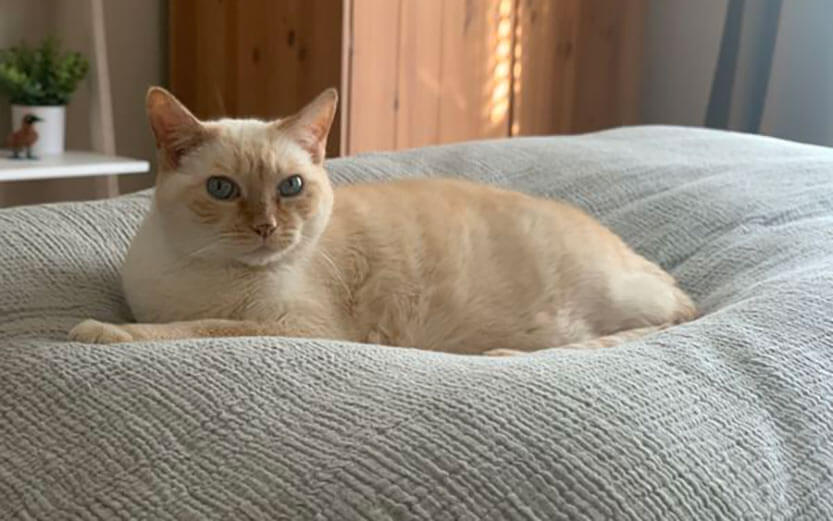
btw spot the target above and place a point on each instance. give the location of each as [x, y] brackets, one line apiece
[501, 81]
[517, 70]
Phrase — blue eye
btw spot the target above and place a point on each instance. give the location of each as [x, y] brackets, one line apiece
[222, 188]
[290, 186]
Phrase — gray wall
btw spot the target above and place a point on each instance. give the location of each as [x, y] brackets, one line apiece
[799, 104]
[682, 42]
[136, 51]
[784, 91]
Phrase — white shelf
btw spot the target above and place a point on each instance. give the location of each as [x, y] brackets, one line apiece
[68, 164]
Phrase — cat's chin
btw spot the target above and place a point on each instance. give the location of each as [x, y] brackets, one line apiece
[269, 253]
[262, 256]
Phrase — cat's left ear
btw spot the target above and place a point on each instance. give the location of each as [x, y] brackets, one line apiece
[176, 130]
[311, 125]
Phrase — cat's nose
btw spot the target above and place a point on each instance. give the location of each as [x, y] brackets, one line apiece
[264, 230]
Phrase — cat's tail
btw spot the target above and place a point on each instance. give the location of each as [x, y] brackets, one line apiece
[617, 338]
[595, 343]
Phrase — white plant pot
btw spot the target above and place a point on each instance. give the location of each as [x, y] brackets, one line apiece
[50, 130]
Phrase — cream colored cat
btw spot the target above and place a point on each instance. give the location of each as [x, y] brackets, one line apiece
[246, 236]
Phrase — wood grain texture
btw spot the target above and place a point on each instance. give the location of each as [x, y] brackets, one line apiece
[448, 84]
[200, 59]
[471, 99]
[414, 72]
[255, 58]
[545, 68]
[374, 73]
[419, 80]
[579, 65]
[608, 47]
[344, 82]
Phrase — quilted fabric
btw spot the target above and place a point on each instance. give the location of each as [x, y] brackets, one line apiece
[727, 417]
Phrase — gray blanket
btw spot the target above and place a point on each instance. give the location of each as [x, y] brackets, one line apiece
[727, 417]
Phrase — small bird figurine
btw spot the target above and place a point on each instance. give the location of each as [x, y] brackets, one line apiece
[24, 137]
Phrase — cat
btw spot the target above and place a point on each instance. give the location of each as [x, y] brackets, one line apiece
[246, 236]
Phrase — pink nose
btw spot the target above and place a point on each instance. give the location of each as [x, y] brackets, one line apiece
[264, 230]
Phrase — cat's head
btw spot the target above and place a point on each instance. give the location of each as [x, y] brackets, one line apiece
[240, 189]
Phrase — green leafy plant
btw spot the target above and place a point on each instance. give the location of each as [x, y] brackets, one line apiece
[42, 75]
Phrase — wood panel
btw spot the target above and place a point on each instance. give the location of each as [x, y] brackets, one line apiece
[545, 42]
[255, 58]
[419, 80]
[473, 103]
[344, 84]
[609, 42]
[579, 65]
[449, 82]
[374, 71]
[415, 72]
[199, 61]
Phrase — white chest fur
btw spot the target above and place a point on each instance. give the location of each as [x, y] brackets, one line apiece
[161, 285]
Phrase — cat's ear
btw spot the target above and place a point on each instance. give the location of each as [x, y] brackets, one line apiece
[311, 125]
[176, 130]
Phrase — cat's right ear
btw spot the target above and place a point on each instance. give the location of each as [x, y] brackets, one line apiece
[310, 126]
[176, 130]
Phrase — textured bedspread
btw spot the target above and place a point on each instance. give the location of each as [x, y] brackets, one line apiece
[727, 417]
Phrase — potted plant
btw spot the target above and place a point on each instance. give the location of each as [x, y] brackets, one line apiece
[39, 82]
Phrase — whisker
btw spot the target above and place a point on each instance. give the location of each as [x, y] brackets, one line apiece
[221, 239]
[336, 271]
[201, 250]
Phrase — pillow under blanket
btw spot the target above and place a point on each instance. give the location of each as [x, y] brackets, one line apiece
[727, 417]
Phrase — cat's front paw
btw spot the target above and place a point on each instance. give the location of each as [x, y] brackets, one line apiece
[95, 332]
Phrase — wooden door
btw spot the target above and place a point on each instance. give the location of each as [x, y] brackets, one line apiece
[428, 71]
[577, 65]
[439, 71]
[413, 72]
[255, 58]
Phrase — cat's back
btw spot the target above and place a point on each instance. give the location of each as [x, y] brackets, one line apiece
[449, 255]
[451, 206]
[408, 198]
[434, 188]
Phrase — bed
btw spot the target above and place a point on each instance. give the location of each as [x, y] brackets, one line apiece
[726, 417]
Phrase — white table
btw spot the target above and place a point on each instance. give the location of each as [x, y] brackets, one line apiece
[68, 164]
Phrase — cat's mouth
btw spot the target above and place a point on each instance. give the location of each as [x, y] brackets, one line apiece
[267, 252]
[263, 254]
